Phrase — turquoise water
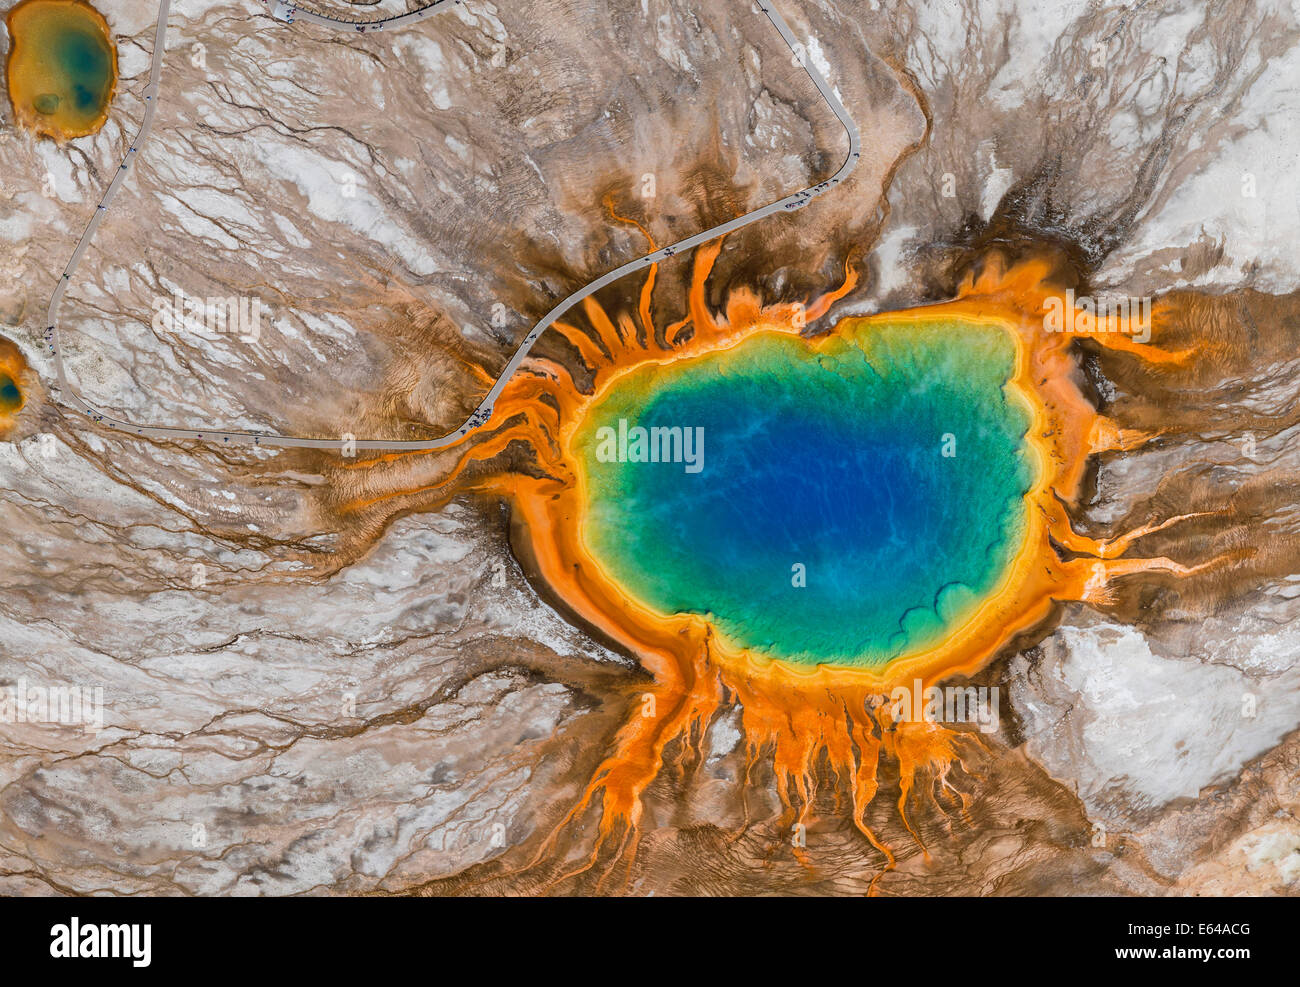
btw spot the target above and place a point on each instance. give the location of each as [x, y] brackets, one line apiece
[86, 64]
[832, 461]
[10, 396]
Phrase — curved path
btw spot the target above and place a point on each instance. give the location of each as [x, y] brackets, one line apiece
[285, 11]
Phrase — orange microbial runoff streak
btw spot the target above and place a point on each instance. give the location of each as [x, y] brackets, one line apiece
[824, 724]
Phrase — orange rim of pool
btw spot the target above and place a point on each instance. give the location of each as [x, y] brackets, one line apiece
[62, 68]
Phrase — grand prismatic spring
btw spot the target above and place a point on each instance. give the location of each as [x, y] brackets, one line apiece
[834, 459]
[850, 552]
[806, 525]
[62, 67]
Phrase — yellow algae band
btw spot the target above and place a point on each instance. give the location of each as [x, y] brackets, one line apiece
[62, 68]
